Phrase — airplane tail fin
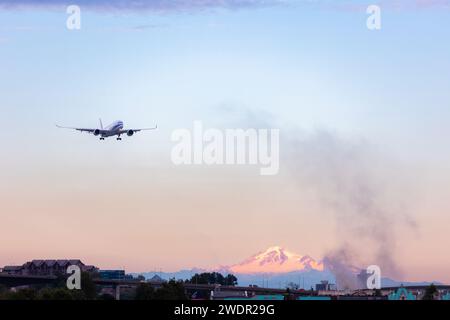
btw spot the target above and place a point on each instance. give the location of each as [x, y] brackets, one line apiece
[101, 123]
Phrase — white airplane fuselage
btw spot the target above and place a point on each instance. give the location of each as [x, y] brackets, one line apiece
[112, 130]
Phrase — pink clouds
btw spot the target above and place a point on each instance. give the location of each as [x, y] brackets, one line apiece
[144, 5]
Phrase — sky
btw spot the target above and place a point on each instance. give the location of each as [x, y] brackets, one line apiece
[357, 109]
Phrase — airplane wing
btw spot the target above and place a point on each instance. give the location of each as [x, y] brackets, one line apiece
[78, 129]
[137, 130]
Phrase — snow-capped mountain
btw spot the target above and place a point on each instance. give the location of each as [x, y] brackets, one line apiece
[276, 260]
[276, 268]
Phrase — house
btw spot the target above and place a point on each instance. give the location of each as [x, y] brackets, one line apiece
[401, 294]
[114, 275]
[446, 296]
[47, 267]
[324, 285]
[12, 270]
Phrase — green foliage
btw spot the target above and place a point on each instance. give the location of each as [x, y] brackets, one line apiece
[213, 278]
[106, 296]
[57, 292]
[22, 294]
[43, 294]
[377, 293]
[145, 292]
[230, 280]
[430, 292]
[172, 290]
[88, 286]
[60, 294]
[3, 290]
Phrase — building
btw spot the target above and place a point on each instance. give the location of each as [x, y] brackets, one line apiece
[446, 296]
[114, 275]
[258, 297]
[402, 294]
[46, 267]
[12, 270]
[309, 298]
[324, 285]
[228, 295]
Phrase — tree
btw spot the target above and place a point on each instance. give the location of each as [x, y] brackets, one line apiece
[22, 294]
[3, 291]
[377, 293]
[60, 294]
[230, 280]
[106, 296]
[88, 286]
[292, 286]
[144, 292]
[430, 292]
[207, 278]
[140, 277]
[213, 278]
[172, 290]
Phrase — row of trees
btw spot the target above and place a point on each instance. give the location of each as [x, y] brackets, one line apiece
[213, 278]
[56, 292]
[430, 293]
[171, 290]
[174, 290]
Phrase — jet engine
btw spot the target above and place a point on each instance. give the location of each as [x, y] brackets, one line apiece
[130, 133]
[96, 132]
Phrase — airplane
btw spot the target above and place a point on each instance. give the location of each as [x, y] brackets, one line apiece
[114, 129]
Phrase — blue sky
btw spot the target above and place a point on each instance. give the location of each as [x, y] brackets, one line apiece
[312, 66]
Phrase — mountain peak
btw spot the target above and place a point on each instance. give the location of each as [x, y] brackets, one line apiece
[276, 259]
[274, 248]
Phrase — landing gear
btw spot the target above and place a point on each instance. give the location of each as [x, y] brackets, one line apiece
[119, 138]
[102, 138]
